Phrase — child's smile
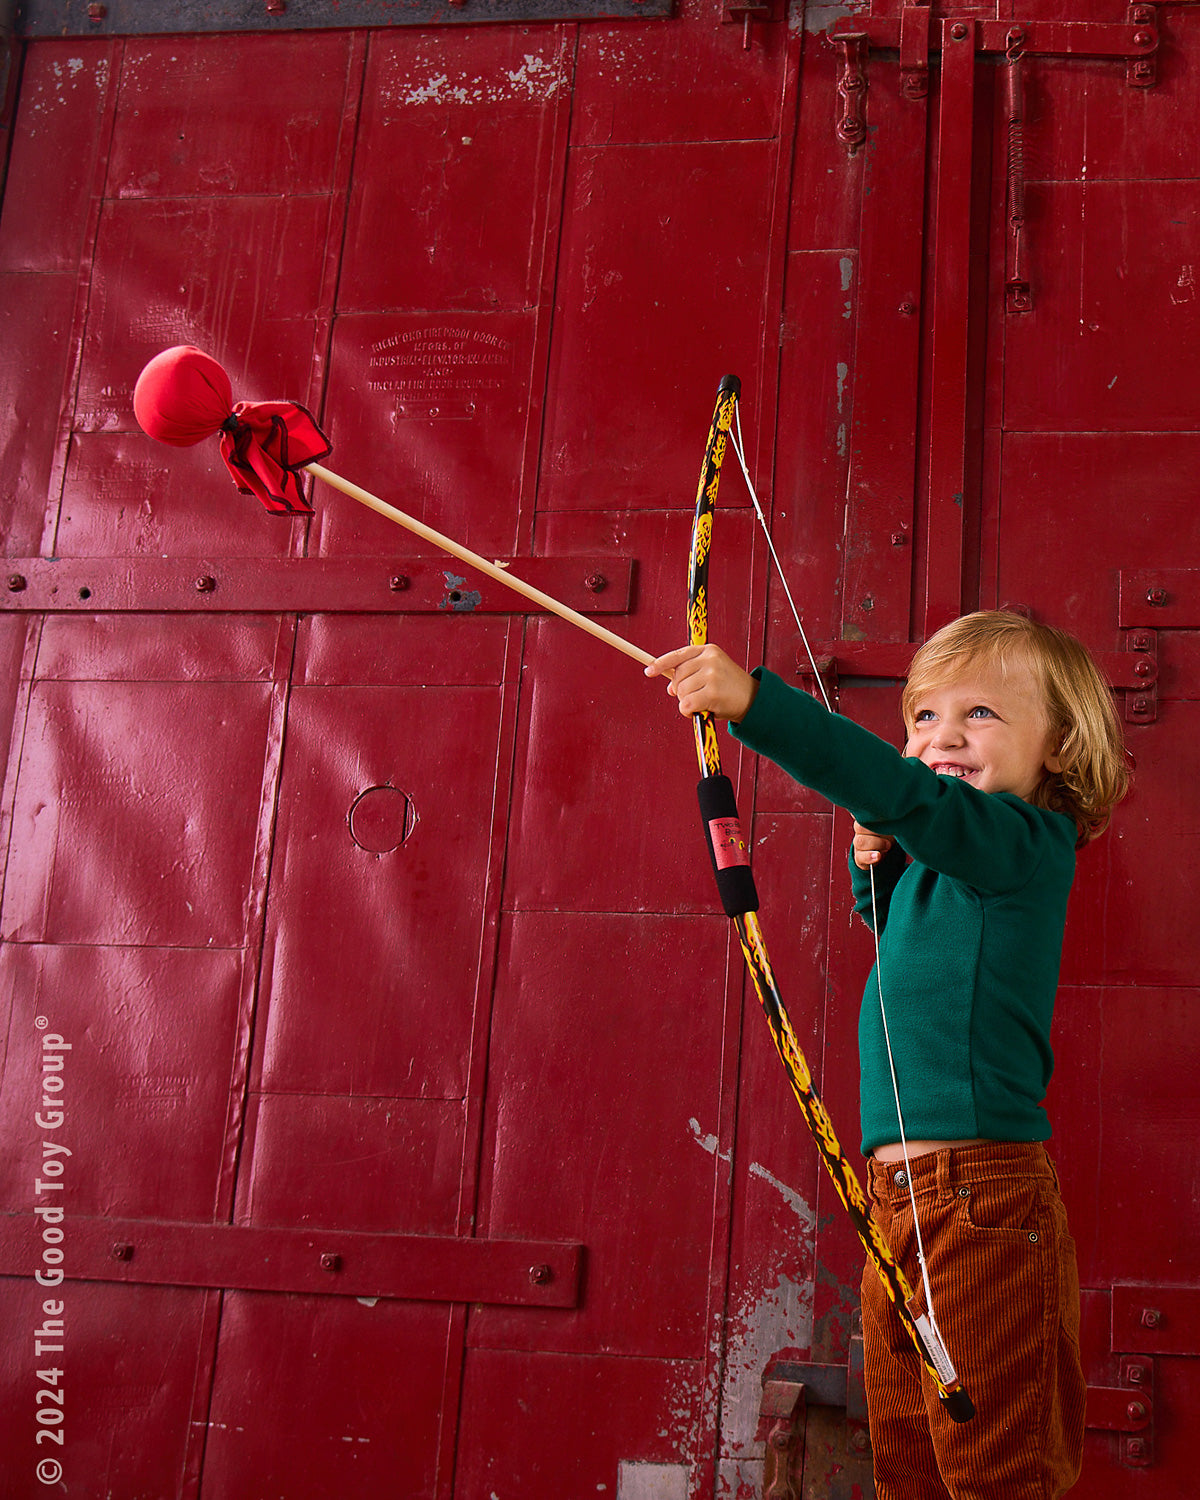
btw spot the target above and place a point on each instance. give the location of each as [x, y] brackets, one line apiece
[988, 728]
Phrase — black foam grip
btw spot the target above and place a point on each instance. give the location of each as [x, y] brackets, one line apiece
[727, 848]
[959, 1406]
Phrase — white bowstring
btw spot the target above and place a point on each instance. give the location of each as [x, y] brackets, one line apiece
[735, 437]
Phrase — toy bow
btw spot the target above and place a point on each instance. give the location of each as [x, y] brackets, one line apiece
[735, 883]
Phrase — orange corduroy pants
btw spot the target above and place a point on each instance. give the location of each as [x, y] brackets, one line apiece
[1005, 1289]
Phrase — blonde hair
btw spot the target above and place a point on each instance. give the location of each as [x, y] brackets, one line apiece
[1094, 770]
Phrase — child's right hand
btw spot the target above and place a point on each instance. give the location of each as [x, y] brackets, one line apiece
[869, 848]
[705, 680]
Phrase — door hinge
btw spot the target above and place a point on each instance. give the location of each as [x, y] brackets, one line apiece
[1128, 1410]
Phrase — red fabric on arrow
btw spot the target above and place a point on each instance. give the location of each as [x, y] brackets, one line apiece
[183, 396]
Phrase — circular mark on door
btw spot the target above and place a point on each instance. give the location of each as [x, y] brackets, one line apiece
[381, 818]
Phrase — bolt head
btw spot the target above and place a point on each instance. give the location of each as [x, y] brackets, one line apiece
[540, 1275]
[1151, 1317]
[16, 582]
[399, 582]
[331, 1261]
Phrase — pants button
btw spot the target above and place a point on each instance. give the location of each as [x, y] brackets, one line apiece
[901, 1179]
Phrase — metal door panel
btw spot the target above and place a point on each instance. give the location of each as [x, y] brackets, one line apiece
[325, 1396]
[228, 119]
[168, 648]
[114, 803]
[1134, 494]
[624, 94]
[455, 650]
[595, 734]
[1158, 901]
[122, 497]
[111, 800]
[623, 1428]
[64, 90]
[1083, 118]
[1083, 360]
[1109, 1046]
[633, 220]
[131, 1363]
[441, 435]
[390, 1165]
[252, 303]
[465, 235]
[35, 321]
[152, 1036]
[812, 452]
[389, 941]
[604, 1077]
[825, 210]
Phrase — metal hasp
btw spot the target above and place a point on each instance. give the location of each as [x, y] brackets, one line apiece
[852, 90]
[60, 18]
[789, 1388]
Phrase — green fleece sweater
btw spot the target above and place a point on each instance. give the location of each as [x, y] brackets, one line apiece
[972, 900]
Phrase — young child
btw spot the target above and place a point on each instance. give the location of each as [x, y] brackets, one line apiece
[1014, 759]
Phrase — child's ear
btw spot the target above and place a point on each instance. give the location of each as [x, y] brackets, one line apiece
[1053, 760]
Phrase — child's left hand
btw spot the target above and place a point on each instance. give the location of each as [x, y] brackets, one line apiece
[705, 680]
[869, 848]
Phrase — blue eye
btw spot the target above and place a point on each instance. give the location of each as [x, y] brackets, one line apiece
[923, 716]
[980, 711]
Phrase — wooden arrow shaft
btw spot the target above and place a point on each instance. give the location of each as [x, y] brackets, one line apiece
[464, 554]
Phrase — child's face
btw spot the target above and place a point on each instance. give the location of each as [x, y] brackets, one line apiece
[989, 728]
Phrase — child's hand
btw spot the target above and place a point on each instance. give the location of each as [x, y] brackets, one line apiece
[705, 680]
[869, 848]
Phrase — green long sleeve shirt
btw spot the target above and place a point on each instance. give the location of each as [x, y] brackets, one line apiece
[971, 902]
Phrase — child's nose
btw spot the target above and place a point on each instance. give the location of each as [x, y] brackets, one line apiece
[948, 733]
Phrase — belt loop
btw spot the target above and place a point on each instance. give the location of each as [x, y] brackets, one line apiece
[945, 1160]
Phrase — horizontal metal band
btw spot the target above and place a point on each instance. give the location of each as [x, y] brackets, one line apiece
[61, 18]
[892, 659]
[1035, 38]
[310, 585]
[419, 1268]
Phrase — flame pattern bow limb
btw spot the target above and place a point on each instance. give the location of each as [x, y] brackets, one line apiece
[735, 883]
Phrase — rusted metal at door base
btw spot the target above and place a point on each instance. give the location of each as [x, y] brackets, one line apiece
[62, 18]
[425, 1268]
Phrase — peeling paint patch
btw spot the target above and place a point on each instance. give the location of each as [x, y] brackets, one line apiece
[821, 17]
[789, 1195]
[780, 1318]
[637, 1481]
[458, 598]
[705, 1142]
[843, 371]
[536, 80]
[739, 1479]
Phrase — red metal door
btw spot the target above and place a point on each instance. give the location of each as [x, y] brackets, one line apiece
[422, 1138]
